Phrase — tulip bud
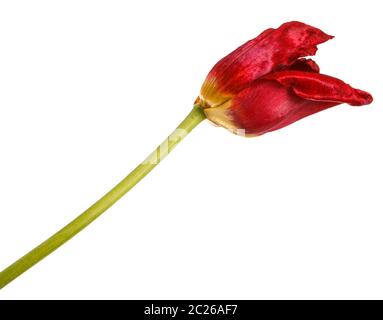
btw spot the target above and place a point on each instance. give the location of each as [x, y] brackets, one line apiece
[266, 84]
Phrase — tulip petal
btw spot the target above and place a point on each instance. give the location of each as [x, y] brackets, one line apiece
[320, 87]
[273, 50]
[267, 105]
[282, 98]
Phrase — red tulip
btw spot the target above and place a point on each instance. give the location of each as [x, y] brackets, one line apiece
[265, 84]
[262, 86]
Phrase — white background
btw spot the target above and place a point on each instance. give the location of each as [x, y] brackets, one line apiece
[89, 88]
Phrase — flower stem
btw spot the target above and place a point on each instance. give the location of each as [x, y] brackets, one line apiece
[99, 207]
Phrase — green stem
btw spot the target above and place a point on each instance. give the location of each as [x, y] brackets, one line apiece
[93, 212]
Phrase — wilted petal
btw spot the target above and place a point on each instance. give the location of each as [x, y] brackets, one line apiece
[273, 50]
[282, 98]
[320, 87]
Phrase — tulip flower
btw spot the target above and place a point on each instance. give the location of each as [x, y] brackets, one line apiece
[264, 85]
